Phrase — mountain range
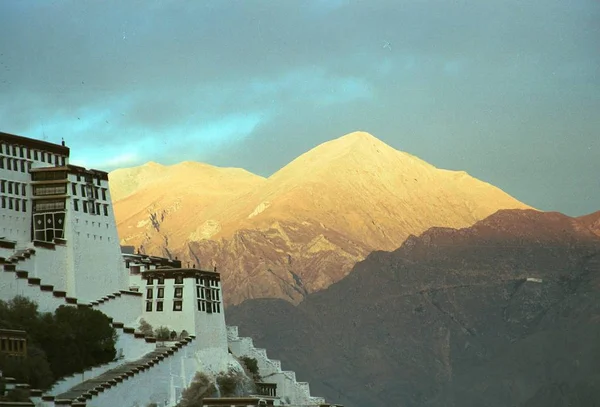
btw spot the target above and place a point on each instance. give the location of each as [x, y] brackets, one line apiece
[304, 227]
[503, 313]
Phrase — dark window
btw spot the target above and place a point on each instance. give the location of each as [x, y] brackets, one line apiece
[178, 292]
[179, 280]
[22, 166]
[159, 306]
[217, 307]
[1, 162]
[24, 189]
[52, 189]
[62, 161]
[24, 206]
[84, 206]
[78, 178]
[3, 202]
[14, 151]
[98, 208]
[22, 152]
[74, 189]
[2, 186]
[10, 184]
[148, 306]
[76, 205]
[10, 203]
[35, 154]
[105, 210]
[82, 190]
[177, 305]
[150, 281]
[161, 280]
[149, 293]
[49, 205]
[104, 194]
[17, 207]
[160, 293]
[209, 307]
[29, 154]
[216, 295]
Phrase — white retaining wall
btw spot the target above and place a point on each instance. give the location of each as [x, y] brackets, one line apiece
[11, 286]
[125, 308]
[51, 267]
[69, 382]
[162, 383]
[132, 348]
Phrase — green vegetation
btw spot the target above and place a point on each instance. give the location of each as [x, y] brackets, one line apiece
[60, 344]
[201, 388]
[162, 333]
[251, 365]
[145, 328]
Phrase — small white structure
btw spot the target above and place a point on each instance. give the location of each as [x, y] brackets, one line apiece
[59, 246]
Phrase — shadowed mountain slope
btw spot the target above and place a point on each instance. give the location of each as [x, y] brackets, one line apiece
[504, 313]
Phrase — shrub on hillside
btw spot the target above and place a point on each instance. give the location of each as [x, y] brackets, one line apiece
[200, 388]
[145, 328]
[162, 333]
[251, 364]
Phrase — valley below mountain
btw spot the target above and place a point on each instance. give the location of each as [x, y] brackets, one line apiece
[303, 228]
[503, 313]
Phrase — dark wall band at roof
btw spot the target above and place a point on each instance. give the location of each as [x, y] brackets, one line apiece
[34, 144]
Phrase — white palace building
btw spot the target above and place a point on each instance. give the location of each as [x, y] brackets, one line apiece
[59, 246]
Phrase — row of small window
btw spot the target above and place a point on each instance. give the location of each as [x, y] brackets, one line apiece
[160, 293]
[89, 191]
[207, 294]
[14, 164]
[90, 207]
[14, 204]
[161, 280]
[204, 306]
[49, 205]
[202, 281]
[24, 152]
[205, 281]
[89, 179]
[177, 306]
[13, 187]
[10, 345]
[201, 292]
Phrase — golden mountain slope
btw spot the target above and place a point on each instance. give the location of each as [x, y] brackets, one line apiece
[304, 227]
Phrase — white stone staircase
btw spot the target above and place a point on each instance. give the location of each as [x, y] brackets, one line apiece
[271, 372]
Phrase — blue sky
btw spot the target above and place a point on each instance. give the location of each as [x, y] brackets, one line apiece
[508, 91]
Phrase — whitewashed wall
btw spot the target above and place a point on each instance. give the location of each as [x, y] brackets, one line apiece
[125, 308]
[51, 266]
[132, 348]
[10, 287]
[174, 320]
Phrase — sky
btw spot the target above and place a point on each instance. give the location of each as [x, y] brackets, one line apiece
[507, 90]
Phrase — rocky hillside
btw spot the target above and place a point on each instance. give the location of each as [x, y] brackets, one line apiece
[503, 313]
[304, 227]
